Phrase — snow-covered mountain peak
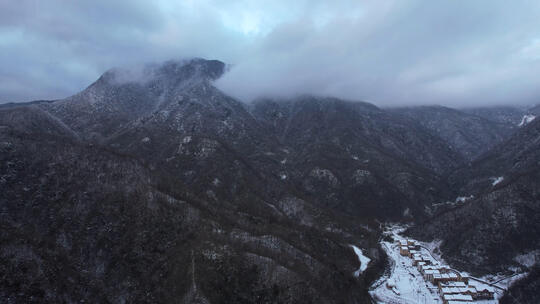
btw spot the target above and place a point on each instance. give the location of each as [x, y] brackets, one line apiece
[172, 72]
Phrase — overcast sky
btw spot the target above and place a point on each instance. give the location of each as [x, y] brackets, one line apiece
[456, 53]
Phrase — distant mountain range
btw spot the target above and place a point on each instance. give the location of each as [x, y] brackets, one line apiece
[152, 185]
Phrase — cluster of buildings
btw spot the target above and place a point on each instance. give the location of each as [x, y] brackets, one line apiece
[453, 287]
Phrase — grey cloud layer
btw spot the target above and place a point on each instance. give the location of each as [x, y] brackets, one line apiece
[388, 52]
[458, 54]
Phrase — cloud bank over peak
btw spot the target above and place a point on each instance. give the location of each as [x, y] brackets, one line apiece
[391, 53]
[458, 54]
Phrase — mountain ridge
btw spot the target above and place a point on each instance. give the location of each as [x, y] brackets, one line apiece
[242, 197]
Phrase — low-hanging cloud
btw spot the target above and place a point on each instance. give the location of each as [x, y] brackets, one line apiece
[391, 53]
[459, 53]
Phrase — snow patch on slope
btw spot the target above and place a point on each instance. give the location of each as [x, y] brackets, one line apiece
[364, 261]
[463, 199]
[526, 119]
[497, 180]
[528, 259]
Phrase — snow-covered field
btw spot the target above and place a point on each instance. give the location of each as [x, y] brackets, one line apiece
[405, 284]
[408, 285]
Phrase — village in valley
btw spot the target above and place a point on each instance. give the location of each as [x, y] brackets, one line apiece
[453, 287]
[417, 275]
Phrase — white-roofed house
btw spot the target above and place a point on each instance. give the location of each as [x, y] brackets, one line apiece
[416, 259]
[430, 273]
[404, 250]
[456, 297]
[484, 292]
